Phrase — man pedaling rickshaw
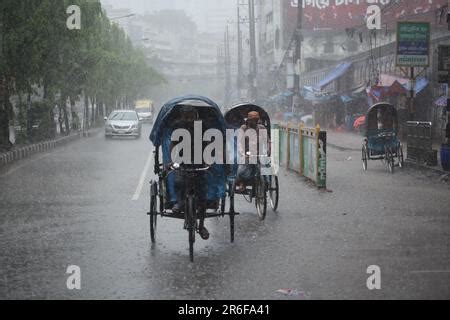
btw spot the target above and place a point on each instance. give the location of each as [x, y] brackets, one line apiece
[186, 121]
[246, 172]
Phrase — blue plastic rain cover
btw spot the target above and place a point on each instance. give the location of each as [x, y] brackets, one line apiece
[161, 137]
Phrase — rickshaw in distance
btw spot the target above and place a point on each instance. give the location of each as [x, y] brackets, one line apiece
[381, 137]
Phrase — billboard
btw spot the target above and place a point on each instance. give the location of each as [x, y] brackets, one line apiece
[343, 14]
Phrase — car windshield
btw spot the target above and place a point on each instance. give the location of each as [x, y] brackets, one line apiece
[123, 116]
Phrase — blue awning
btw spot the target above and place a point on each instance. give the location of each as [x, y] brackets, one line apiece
[421, 84]
[282, 97]
[340, 70]
[309, 94]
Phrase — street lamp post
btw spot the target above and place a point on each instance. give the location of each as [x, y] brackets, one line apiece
[297, 56]
[253, 61]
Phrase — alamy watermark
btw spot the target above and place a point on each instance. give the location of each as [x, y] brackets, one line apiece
[73, 22]
[374, 281]
[239, 147]
[74, 279]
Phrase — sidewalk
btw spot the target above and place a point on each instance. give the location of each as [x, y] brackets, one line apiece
[346, 141]
[23, 152]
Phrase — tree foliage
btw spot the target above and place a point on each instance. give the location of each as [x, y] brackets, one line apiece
[40, 56]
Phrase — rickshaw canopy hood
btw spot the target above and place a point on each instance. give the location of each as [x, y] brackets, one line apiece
[372, 115]
[243, 109]
[160, 124]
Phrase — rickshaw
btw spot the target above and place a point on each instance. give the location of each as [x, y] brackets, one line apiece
[163, 195]
[381, 137]
[264, 186]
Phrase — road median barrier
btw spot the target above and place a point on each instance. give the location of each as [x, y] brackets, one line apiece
[29, 150]
[303, 150]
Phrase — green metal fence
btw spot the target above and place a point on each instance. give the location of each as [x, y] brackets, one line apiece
[303, 150]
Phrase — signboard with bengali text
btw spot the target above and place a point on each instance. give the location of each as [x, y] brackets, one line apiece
[413, 44]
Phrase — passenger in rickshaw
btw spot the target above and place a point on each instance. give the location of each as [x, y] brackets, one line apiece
[388, 120]
[246, 172]
[186, 121]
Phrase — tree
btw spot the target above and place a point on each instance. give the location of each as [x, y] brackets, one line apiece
[41, 56]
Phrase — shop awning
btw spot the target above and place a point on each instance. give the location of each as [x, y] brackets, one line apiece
[421, 84]
[308, 93]
[281, 97]
[340, 70]
[441, 102]
[388, 80]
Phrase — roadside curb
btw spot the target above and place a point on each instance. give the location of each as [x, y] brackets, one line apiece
[340, 148]
[409, 163]
[27, 151]
[425, 167]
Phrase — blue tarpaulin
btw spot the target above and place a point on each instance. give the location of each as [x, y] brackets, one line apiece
[340, 70]
[281, 97]
[161, 137]
[309, 94]
[421, 84]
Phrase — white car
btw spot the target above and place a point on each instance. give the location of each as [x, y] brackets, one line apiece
[123, 123]
[145, 115]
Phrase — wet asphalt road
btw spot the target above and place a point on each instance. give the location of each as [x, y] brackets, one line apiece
[80, 205]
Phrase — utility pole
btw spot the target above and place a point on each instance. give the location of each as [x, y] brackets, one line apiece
[239, 38]
[227, 67]
[253, 61]
[297, 56]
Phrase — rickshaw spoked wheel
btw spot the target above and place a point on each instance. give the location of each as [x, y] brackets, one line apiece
[365, 157]
[389, 159]
[261, 198]
[274, 192]
[232, 212]
[191, 224]
[401, 159]
[153, 213]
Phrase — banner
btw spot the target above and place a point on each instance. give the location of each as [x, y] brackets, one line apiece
[343, 14]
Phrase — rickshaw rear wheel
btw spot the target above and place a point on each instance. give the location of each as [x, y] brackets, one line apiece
[153, 219]
[389, 159]
[401, 159]
[191, 225]
[261, 198]
[153, 211]
[232, 212]
[365, 157]
[274, 192]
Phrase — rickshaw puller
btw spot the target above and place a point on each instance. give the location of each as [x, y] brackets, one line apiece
[247, 171]
[190, 115]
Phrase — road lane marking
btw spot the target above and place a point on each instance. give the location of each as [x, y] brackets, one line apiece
[430, 271]
[137, 194]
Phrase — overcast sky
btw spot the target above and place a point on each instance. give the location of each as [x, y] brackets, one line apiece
[203, 12]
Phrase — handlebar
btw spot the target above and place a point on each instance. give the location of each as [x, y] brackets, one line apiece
[248, 154]
[386, 134]
[177, 166]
